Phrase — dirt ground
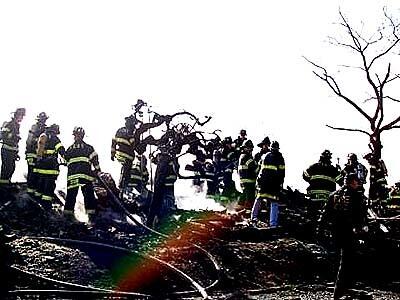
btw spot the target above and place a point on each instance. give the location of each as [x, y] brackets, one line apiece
[286, 263]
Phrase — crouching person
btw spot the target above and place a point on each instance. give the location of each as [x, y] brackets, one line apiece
[81, 158]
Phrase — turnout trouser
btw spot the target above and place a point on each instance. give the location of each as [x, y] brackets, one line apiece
[125, 174]
[344, 275]
[46, 188]
[88, 196]
[8, 158]
[248, 195]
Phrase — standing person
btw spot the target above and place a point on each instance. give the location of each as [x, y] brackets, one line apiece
[226, 166]
[198, 167]
[264, 145]
[47, 166]
[346, 210]
[210, 171]
[240, 139]
[138, 181]
[9, 151]
[248, 174]
[354, 166]
[393, 204]
[163, 201]
[322, 178]
[122, 149]
[269, 184]
[30, 153]
[83, 163]
[377, 178]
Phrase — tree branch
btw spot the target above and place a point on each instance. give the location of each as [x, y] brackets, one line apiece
[335, 88]
[396, 76]
[348, 129]
[390, 125]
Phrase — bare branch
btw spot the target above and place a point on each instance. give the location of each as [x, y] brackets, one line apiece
[352, 67]
[390, 125]
[394, 26]
[335, 42]
[350, 31]
[395, 41]
[380, 99]
[391, 98]
[348, 129]
[396, 76]
[369, 99]
[385, 97]
[335, 88]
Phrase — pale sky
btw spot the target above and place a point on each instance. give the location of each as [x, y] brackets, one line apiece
[86, 62]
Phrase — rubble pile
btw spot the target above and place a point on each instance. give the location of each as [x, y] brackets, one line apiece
[61, 263]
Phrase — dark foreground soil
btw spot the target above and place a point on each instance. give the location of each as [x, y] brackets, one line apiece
[287, 263]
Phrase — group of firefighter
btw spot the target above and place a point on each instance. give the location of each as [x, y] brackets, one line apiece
[261, 176]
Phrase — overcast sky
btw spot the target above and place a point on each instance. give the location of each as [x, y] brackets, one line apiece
[86, 62]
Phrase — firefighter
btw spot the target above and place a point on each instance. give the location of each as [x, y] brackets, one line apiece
[394, 197]
[346, 210]
[354, 166]
[264, 145]
[139, 176]
[377, 178]
[240, 139]
[198, 168]
[83, 166]
[47, 165]
[248, 174]
[322, 178]
[9, 151]
[228, 157]
[269, 184]
[137, 186]
[163, 201]
[30, 153]
[210, 171]
[127, 140]
[122, 149]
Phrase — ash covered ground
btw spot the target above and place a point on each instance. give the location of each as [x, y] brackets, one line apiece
[287, 263]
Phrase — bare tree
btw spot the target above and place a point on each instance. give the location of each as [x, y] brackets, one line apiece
[373, 53]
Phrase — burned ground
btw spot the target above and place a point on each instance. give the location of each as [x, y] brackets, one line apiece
[287, 263]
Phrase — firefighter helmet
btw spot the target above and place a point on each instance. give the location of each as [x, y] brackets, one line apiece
[265, 141]
[275, 145]
[20, 112]
[227, 140]
[326, 154]
[352, 157]
[42, 116]
[248, 144]
[130, 121]
[78, 131]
